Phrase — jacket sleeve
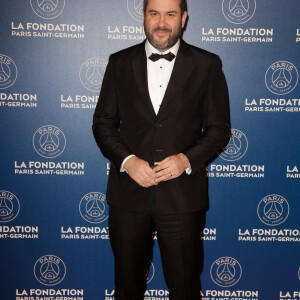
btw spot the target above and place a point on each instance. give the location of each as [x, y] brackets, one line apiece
[106, 121]
[216, 121]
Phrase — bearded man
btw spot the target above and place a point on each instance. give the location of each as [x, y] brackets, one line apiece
[162, 114]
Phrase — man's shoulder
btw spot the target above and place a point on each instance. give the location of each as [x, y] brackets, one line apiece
[201, 52]
[127, 52]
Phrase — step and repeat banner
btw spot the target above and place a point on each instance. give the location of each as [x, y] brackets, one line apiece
[54, 233]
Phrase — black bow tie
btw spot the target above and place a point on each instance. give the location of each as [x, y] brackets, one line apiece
[155, 56]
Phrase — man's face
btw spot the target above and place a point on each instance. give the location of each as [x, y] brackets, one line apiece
[163, 23]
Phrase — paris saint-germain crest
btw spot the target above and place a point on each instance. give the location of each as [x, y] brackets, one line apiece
[93, 208]
[226, 271]
[49, 141]
[273, 210]
[92, 72]
[49, 270]
[238, 11]
[47, 9]
[281, 77]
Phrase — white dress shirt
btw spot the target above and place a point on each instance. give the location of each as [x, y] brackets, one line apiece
[158, 74]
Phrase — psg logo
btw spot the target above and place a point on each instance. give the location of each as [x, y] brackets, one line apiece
[49, 270]
[47, 9]
[49, 141]
[92, 207]
[281, 77]
[226, 271]
[91, 73]
[238, 11]
[273, 210]
[8, 72]
[236, 147]
[135, 9]
[9, 206]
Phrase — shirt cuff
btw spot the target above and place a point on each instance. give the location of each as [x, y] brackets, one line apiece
[122, 169]
[188, 170]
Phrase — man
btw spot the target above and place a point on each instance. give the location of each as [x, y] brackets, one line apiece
[159, 119]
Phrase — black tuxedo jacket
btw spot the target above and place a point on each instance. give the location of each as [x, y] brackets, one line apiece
[193, 119]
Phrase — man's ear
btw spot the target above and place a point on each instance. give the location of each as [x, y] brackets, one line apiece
[183, 19]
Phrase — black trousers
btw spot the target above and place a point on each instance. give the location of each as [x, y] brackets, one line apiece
[181, 249]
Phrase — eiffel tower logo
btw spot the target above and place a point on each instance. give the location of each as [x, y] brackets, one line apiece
[49, 144]
[273, 212]
[232, 147]
[95, 210]
[47, 5]
[4, 75]
[95, 77]
[4, 209]
[281, 81]
[239, 8]
[50, 273]
[224, 272]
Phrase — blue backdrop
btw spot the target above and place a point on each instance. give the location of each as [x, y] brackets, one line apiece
[53, 214]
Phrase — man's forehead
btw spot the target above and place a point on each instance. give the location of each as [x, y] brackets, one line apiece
[163, 5]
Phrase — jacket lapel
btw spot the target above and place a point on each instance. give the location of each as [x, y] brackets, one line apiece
[139, 67]
[182, 67]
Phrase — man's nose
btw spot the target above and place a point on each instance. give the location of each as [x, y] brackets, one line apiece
[162, 20]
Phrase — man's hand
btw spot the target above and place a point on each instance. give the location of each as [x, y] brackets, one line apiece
[171, 167]
[140, 171]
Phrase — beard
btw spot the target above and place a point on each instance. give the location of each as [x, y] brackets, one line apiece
[171, 41]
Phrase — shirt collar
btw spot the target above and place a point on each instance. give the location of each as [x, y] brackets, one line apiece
[150, 49]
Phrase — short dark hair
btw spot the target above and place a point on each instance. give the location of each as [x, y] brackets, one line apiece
[182, 4]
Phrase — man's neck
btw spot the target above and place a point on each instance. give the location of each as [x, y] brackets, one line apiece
[151, 49]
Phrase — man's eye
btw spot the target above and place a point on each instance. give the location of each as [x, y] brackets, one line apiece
[171, 15]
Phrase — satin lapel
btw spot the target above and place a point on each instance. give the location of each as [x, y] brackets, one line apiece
[139, 67]
[182, 67]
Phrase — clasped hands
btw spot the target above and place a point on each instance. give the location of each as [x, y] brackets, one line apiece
[169, 168]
